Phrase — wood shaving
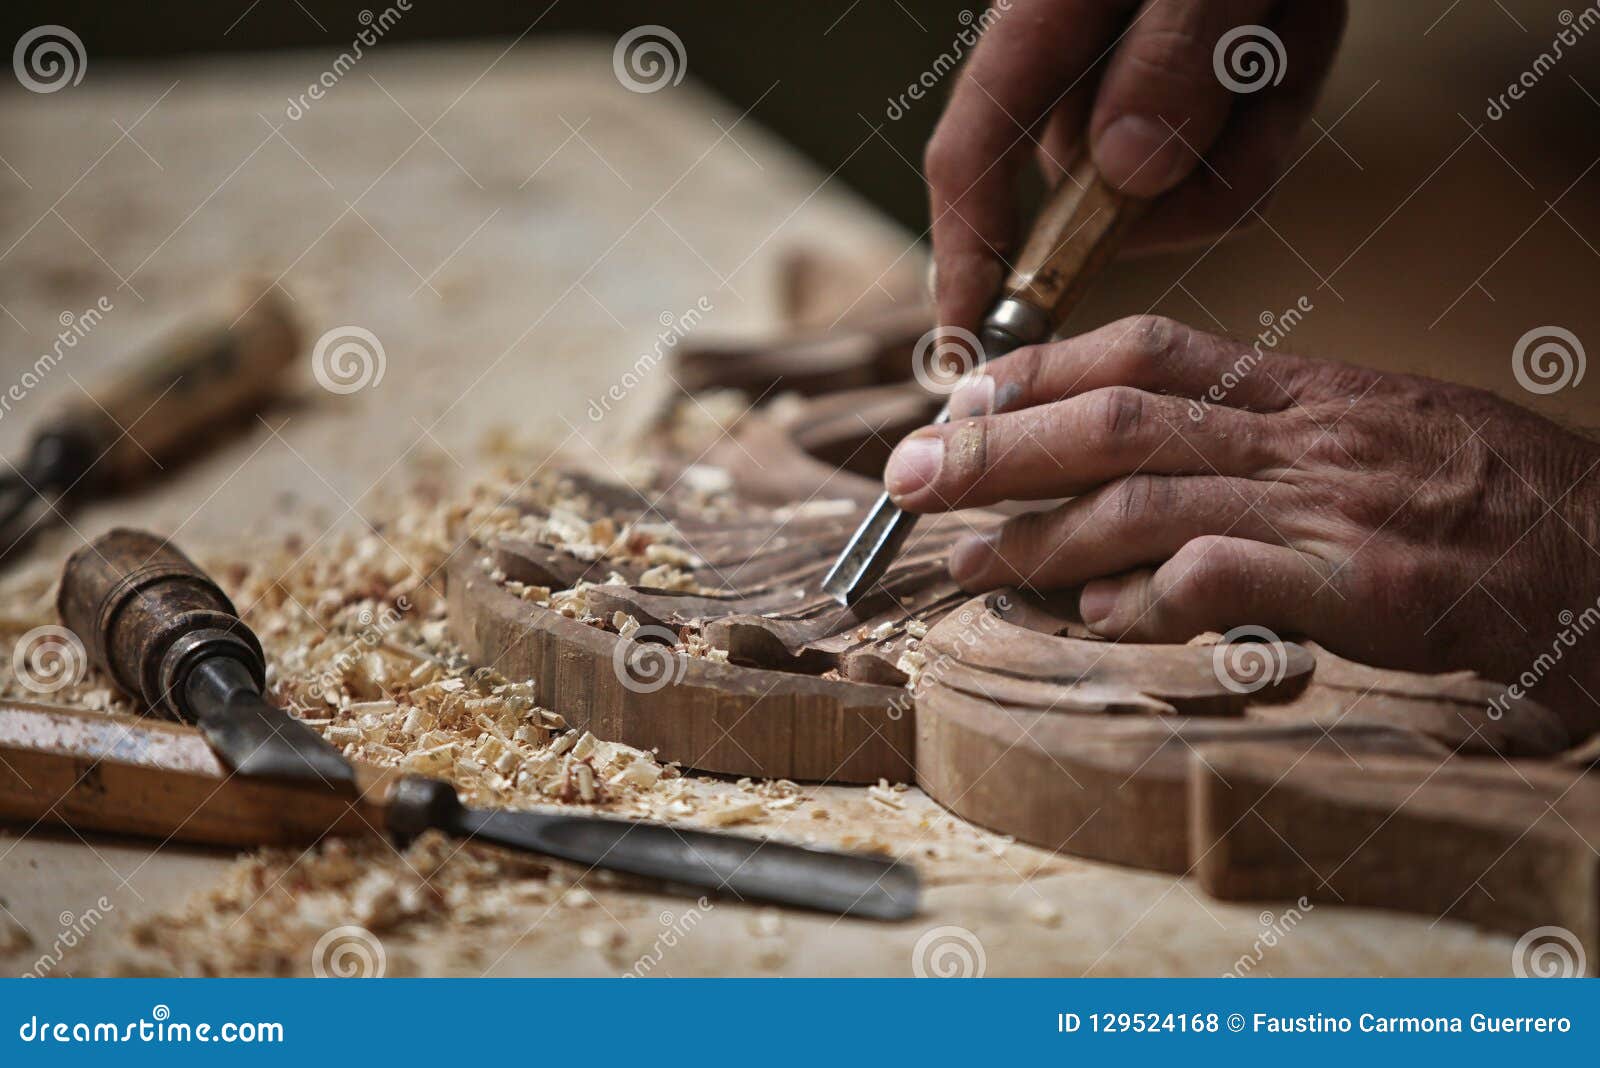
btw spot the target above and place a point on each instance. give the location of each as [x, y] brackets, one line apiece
[1044, 914]
[736, 812]
[888, 796]
[267, 914]
[358, 648]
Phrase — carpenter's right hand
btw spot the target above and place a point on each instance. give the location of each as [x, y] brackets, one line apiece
[1148, 98]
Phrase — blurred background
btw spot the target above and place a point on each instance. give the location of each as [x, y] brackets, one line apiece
[484, 193]
[510, 225]
[822, 74]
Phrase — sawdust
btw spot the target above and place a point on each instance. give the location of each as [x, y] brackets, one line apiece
[557, 513]
[354, 629]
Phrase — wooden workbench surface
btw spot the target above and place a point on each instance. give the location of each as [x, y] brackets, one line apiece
[512, 225]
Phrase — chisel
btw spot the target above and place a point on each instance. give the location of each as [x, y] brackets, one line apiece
[1075, 235]
[164, 632]
[167, 635]
[204, 377]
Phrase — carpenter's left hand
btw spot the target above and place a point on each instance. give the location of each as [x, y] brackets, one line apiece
[1398, 520]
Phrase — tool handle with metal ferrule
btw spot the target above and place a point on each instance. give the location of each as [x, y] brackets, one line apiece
[165, 781]
[189, 384]
[148, 615]
[1074, 236]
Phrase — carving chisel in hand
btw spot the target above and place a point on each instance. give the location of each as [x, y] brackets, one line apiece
[1073, 238]
[164, 632]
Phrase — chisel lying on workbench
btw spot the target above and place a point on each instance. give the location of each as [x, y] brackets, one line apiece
[205, 378]
[253, 775]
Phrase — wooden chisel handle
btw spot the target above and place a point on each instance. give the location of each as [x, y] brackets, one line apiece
[189, 384]
[147, 614]
[121, 775]
[1075, 235]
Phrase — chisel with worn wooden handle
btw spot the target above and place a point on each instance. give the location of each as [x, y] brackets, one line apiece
[254, 775]
[206, 377]
[1073, 238]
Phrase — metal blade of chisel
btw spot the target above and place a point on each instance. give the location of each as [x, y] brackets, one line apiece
[257, 739]
[749, 868]
[1078, 229]
[880, 537]
[873, 547]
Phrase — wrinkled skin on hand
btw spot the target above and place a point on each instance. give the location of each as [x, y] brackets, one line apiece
[1399, 521]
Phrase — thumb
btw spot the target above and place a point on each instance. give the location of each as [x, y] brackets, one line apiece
[1161, 103]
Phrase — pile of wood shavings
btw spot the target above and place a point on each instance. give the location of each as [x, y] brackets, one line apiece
[354, 629]
[272, 910]
[663, 556]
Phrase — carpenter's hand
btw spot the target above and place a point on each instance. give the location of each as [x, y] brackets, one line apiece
[1049, 75]
[1398, 520]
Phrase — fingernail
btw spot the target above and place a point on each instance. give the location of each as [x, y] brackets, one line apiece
[1097, 600]
[914, 464]
[1140, 156]
[971, 557]
[973, 399]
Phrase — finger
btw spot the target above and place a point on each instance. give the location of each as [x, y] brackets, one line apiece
[1212, 583]
[1027, 59]
[1161, 104]
[1062, 138]
[1136, 521]
[1146, 352]
[1061, 449]
[1259, 140]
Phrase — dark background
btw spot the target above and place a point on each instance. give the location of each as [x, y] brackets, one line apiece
[836, 62]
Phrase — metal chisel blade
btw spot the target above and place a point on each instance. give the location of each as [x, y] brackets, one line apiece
[871, 549]
[880, 537]
[844, 883]
[256, 739]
